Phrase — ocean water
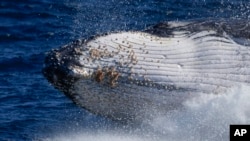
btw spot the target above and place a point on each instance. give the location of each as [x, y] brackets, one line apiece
[31, 109]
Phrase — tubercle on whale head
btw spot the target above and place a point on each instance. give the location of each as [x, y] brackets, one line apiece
[107, 75]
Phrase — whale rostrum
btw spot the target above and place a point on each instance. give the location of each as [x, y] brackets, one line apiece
[135, 74]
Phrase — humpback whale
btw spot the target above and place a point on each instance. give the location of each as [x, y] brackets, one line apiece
[136, 74]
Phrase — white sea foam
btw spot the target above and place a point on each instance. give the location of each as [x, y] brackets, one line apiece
[204, 118]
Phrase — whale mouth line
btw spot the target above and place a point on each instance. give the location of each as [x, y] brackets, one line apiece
[121, 75]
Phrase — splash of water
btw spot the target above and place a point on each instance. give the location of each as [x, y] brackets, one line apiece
[202, 118]
[207, 117]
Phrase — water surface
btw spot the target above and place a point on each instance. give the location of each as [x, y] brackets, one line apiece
[31, 109]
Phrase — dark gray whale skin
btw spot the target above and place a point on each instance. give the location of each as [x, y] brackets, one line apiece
[237, 28]
[56, 71]
[58, 62]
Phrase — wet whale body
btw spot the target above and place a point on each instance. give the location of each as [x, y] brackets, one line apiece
[136, 74]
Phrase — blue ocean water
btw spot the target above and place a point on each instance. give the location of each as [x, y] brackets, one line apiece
[32, 109]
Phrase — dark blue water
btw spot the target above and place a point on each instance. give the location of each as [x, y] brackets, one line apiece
[30, 108]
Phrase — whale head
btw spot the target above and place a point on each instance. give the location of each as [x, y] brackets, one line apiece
[135, 75]
[104, 75]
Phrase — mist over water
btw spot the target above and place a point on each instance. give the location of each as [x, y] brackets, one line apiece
[205, 117]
